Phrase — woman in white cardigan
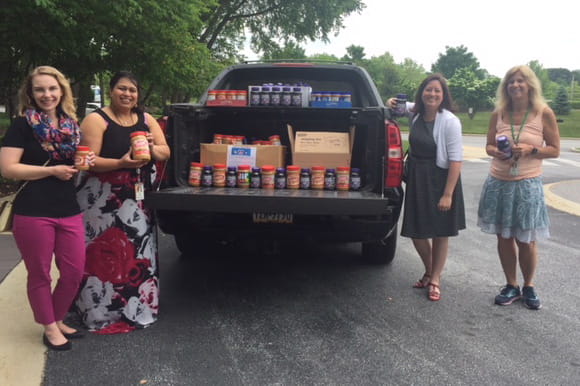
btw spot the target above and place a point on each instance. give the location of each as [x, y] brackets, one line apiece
[434, 208]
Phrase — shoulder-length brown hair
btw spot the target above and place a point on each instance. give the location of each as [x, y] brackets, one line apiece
[503, 102]
[447, 102]
[26, 100]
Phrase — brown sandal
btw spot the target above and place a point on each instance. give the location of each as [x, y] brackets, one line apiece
[434, 292]
[422, 282]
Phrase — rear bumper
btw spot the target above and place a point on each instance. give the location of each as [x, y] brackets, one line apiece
[317, 215]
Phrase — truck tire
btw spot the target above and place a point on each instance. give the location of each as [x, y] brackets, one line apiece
[382, 251]
[186, 244]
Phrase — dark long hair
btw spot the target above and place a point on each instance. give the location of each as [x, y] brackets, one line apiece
[133, 79]
[447, 102]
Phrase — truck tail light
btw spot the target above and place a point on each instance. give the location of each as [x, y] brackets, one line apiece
[394, 155]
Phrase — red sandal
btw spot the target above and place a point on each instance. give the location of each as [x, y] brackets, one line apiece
[422, 282]
[434, 292]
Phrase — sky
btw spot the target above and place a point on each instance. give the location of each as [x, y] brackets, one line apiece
[500, 34]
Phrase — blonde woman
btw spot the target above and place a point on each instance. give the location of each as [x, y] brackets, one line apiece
[47, 220]
[512, 200]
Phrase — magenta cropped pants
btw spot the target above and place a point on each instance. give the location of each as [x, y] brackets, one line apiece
[38, 239]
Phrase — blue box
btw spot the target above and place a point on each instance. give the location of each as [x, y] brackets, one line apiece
[331, 105]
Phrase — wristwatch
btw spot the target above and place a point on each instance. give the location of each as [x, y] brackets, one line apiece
[534, 150]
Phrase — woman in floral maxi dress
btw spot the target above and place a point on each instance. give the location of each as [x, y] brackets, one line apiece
[120, 290]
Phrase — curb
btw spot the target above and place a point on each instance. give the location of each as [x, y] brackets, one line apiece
[560, 203]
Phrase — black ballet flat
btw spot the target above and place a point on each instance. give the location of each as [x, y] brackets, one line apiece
[61, 347]
[74, 335]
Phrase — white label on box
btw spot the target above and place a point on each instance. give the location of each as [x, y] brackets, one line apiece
[239, 155]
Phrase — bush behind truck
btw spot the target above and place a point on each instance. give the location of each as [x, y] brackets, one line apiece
[196, 216]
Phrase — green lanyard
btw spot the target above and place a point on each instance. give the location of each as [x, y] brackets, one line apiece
[517, 139]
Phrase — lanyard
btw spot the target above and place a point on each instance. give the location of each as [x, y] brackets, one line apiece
[517, 139]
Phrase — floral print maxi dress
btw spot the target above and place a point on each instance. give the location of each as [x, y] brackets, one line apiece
[121, 274]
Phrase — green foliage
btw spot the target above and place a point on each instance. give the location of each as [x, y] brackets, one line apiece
[561, 76]
[291, 50]
[561, 104]
[392, 78]
[470, 91]
[454, 59]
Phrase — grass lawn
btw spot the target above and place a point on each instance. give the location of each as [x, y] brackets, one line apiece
[569, 128]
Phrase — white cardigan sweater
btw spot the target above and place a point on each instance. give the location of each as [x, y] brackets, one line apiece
[447, 136]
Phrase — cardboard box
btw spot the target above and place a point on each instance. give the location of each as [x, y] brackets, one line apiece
[321, 148]
[234, 155]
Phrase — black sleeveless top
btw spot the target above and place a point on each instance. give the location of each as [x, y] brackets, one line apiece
[117, 138]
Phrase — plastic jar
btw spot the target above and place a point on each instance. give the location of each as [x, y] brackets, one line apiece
[275, 140]
[342, 178]
[244, 176]
[140, 146]
[401, 107]
[330, 179]
[218, 138]
[255, 179]
[81, 162]
[195, 170]
[231, 177]
[286, 99]
[220, 95]
[293, 177]
[211, 95]
[355, 179]
[255, 95]
[207, 177]
[317, 180]
[219, 175]
[275, 96]
[296, 96]
[242, 95]
[265, 96]
[268, 172]
[280, 178]
[305, 178]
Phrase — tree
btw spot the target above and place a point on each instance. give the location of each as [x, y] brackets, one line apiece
[355, 54]
[561, 104]
[469, 91]
[175, 47]
[271, 21]
[455, 58]
[291, 50]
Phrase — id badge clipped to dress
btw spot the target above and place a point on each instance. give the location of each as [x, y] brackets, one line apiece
[139, 187]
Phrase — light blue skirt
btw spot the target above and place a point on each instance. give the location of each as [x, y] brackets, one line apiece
[514, 209]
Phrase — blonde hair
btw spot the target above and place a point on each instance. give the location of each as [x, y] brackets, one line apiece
[26, 100]
[536, 100]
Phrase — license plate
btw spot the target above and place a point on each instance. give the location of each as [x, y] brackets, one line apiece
[275, 218]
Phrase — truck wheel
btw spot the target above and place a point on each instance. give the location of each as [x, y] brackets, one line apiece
[185, 243]
[382, 251]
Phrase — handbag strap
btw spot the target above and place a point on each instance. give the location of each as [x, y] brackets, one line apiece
[27, 181]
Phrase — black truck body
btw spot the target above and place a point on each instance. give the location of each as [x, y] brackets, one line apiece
[195, 215]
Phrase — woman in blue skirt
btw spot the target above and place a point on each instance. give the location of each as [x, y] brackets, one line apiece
[512, 201]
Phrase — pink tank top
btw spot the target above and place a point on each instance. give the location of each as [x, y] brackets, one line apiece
[532, 134]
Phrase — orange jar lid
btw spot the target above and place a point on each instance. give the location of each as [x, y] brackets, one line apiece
[219, 166]
[83, 148]
[197, 164]
[342, 169]
[322, 168]
[294, 168]
[244, 167]
[268, 168]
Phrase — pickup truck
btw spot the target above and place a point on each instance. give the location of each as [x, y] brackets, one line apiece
[196, 215]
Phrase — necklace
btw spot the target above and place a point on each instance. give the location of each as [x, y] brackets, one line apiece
[514, 137]
[123, 121]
